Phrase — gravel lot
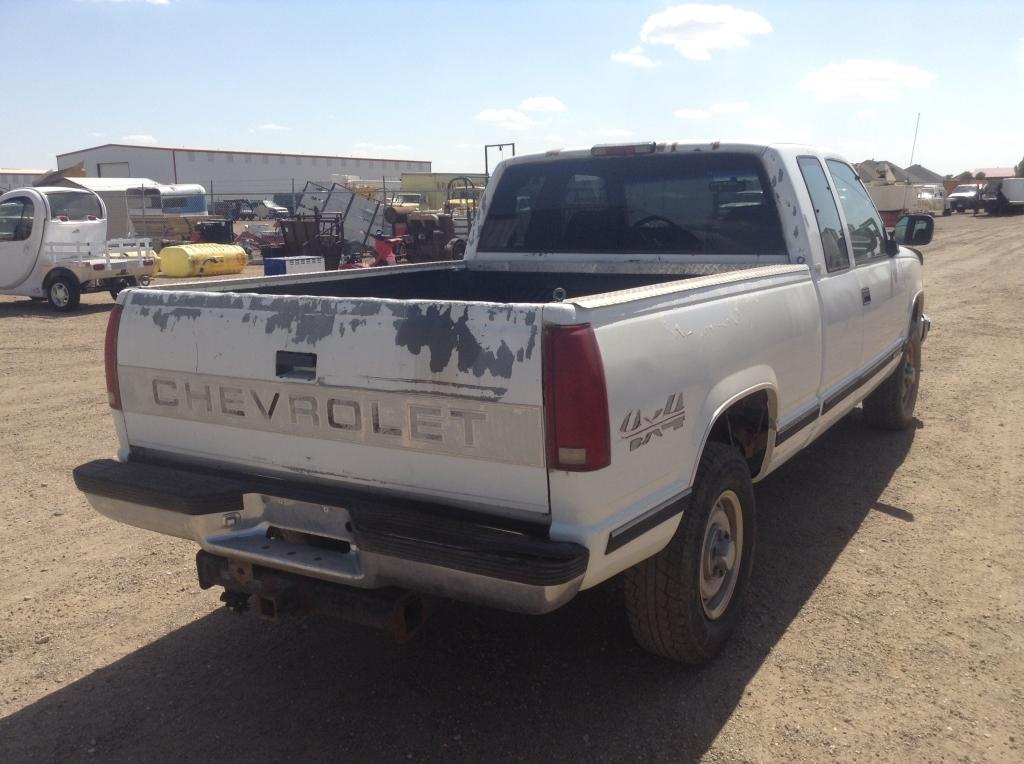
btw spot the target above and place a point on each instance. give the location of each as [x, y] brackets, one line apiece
[886, 621]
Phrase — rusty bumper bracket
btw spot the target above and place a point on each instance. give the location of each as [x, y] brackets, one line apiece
[395, 611]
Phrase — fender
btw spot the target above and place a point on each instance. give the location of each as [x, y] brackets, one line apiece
[733, 388]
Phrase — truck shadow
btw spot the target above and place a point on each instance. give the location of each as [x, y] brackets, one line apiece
[26, 308]
[475, 684]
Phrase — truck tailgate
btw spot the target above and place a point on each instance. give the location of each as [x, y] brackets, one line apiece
[407, 397]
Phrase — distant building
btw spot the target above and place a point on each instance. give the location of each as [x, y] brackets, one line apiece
[921, 175]
[993, 173]
[16, 178]
[233, 174]
[883, 171]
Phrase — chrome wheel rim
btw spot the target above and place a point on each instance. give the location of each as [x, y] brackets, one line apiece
[721, 554]
[60, 294]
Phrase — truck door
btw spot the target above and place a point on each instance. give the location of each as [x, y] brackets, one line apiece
[838, 285]
[21, 231]
[873, 266]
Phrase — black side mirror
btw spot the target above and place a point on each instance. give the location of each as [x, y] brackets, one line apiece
[914, 230]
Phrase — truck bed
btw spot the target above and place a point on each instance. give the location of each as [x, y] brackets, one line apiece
[454, 282]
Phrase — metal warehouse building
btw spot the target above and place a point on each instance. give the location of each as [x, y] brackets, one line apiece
[227, 174]
[14, 178]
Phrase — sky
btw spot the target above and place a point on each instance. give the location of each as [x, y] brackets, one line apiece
[438, 80]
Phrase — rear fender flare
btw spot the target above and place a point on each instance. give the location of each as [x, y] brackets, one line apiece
[734, 388]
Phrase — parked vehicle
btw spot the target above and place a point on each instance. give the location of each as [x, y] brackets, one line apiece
[268, 210]
[962, 198]
[638, 334]
[53, 246]
[234, 209]
[404, 202]
[1003, 196]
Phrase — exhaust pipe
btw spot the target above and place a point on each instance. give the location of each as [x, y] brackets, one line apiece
[396, 612]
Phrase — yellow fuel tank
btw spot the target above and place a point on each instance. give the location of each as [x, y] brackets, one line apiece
[202, 260]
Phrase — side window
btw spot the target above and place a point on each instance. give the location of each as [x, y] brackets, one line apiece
[16, 219]
[866, 231]
[833, 242]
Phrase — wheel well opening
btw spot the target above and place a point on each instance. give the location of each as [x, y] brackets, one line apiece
[746, 425]
[58, 272]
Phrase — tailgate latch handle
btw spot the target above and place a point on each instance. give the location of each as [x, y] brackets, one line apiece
[296, 365]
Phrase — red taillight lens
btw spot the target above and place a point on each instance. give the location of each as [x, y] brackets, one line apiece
[575, 400]
[110, 357]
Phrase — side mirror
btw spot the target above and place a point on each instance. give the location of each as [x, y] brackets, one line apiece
[914, 230]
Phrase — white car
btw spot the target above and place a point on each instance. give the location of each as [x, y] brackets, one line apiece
[637, 335]
[53, 247]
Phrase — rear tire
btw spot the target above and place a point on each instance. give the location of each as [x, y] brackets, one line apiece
[63, 293]
[684, 602]
[891, 405]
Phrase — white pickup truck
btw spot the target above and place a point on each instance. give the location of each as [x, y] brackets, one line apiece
[637, 335]
[53, 246]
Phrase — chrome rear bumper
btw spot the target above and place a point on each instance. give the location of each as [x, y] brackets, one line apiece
[343, 537]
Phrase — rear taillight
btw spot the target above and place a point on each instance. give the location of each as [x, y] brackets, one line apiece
[575, 400]
[110, 357]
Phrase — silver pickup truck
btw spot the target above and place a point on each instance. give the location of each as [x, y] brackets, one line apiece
[638, 333]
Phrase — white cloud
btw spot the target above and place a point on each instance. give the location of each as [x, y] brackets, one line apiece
[383, 148]
[139, 138]
[616, 132]
[729, 108]
[554, 138]
[509, 119]
[691, 114]
[272, 126]
[694, 30]
[95, 134]
[542, 103]
[634, 57]
[867, 114]
[864, 79]
[771, 130]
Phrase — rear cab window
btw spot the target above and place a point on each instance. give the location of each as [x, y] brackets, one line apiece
[74, 205]
[719, 204]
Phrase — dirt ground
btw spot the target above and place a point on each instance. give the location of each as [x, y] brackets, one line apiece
[886, 619]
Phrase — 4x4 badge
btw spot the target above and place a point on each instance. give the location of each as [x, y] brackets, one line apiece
[639, 429]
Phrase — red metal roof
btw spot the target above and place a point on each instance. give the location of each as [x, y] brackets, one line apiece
[995, 172]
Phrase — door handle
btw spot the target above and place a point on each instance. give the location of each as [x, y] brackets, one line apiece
[296, 365]
[865, 296]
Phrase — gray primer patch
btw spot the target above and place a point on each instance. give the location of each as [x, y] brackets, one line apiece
[436, 331]
[161, 317]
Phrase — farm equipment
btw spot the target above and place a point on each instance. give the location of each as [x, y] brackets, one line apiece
[315, 235]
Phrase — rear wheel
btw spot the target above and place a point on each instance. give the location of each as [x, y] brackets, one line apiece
[684, 602]
[63, 293]
[891, 405]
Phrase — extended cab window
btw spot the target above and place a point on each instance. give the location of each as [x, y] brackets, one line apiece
[691, 204]
[833, 242]
[16, 218]
[866, 231]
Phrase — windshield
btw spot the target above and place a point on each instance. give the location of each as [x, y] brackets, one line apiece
[74, 205]
[692, 203]
[964, 190]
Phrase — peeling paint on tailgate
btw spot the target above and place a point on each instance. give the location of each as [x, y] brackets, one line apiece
[432, 386]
